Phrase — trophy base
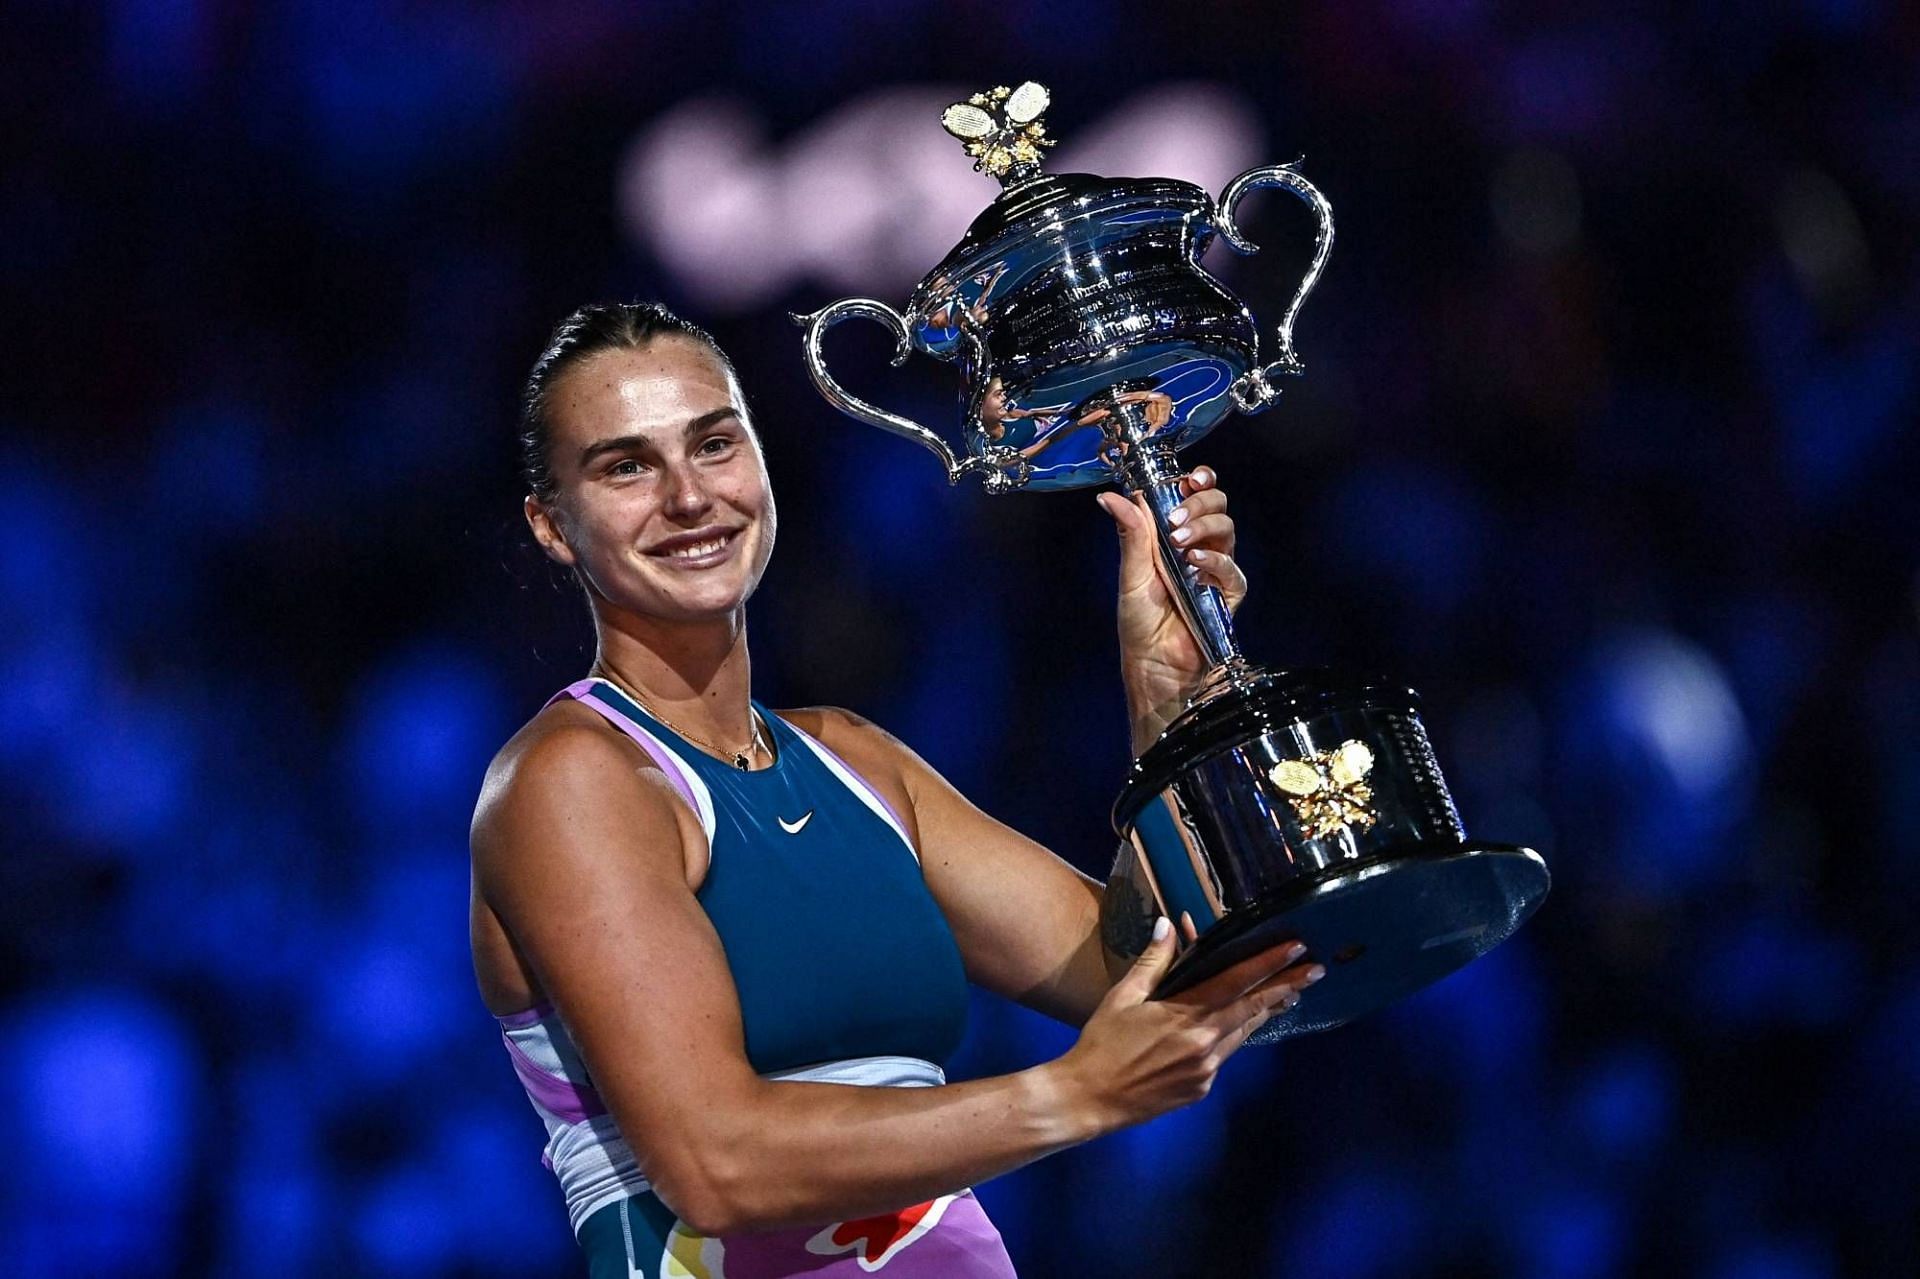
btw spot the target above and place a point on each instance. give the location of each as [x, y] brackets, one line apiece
[1383, 930]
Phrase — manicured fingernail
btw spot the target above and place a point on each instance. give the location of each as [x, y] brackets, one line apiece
[1295, 951]
[1182, 534]
[1198, 557]
[1161, 927]
[1314, 974]
[1178, 517]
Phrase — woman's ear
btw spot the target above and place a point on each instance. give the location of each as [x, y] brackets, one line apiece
[545, 523]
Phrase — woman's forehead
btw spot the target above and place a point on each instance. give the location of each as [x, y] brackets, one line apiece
[663, 384]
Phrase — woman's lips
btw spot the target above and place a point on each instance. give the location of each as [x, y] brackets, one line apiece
[703, 550]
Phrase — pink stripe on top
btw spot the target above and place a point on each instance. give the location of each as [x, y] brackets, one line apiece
[526, 1017]
[567, 1101]
[582, 691]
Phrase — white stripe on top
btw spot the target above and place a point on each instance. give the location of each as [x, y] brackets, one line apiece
[861, 791]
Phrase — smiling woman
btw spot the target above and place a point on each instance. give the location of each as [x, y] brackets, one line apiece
[728, 949]
[638, 416]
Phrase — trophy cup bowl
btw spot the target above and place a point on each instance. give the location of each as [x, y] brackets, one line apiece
[1093, 345]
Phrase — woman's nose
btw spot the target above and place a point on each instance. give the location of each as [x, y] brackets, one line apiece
[686, 494]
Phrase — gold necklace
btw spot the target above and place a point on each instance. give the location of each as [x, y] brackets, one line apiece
[742, 758]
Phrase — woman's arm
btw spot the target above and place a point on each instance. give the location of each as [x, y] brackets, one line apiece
[579, 845]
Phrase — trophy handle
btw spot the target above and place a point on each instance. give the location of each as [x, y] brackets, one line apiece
[853, 406]
[1254, 391]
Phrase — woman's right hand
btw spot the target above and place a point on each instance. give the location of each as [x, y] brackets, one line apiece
[1138, 1057]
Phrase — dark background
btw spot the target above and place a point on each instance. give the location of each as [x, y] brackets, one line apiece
[1605, 446]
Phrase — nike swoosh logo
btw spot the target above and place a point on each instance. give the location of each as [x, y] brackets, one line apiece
[794, 828]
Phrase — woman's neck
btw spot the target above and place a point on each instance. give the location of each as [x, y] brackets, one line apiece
[698, 675]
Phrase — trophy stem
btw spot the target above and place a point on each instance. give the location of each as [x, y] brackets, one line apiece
[1148, 467]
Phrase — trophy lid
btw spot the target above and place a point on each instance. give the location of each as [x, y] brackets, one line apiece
[1003, 130]
[1053, 197]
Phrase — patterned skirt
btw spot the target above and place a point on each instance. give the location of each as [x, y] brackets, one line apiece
[945, 1238]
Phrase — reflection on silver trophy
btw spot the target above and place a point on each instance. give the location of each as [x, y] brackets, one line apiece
[1094, 346]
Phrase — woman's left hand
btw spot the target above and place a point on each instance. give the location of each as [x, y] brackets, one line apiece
[1160, 663]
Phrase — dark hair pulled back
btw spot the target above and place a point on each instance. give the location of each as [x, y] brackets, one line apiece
[598, 326]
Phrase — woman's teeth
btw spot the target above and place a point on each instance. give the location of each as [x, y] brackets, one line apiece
[697, 549]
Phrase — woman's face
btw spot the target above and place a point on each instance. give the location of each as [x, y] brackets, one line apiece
[661, 502]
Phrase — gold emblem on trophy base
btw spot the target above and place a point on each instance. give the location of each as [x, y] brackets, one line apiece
[1328, 790]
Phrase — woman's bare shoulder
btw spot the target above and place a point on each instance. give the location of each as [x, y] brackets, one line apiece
[567, 757]
[545, 749]
[849, 734]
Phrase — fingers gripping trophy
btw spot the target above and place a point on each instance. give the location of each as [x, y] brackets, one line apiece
[1094, 346]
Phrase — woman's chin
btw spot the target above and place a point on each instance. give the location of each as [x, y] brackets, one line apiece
[677, 595]
[689, 602]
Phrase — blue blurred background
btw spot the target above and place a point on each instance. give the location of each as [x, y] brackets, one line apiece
[1605, 446]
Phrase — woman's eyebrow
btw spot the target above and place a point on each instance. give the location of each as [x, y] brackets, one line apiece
[612, 444]
[708, 419]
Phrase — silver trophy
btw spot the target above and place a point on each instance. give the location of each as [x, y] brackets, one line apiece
[1093, 346]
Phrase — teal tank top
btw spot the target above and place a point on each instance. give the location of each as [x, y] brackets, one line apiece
[836, 946]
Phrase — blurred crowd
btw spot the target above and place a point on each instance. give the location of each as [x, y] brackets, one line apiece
[1605, 445]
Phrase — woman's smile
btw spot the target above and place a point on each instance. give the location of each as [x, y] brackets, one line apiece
[701, 548]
